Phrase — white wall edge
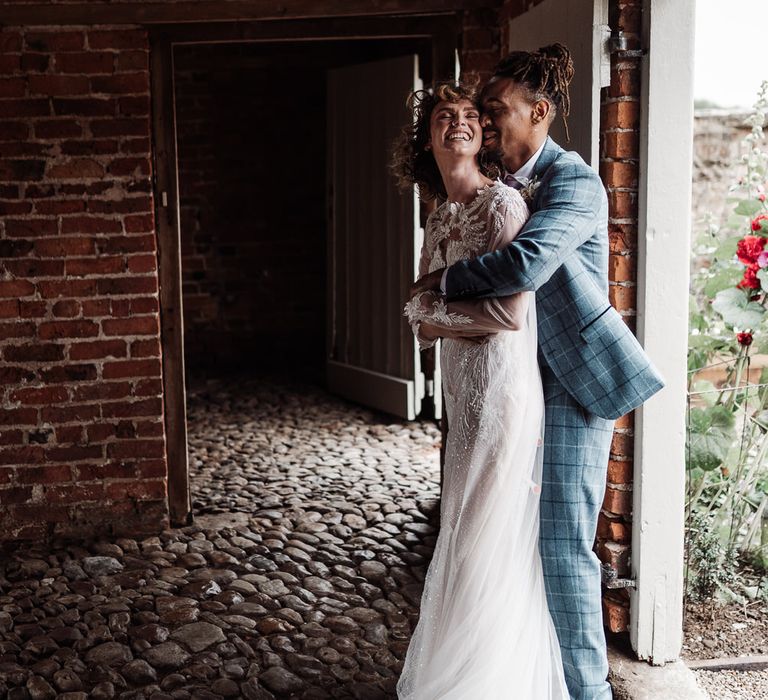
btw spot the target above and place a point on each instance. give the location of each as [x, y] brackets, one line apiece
[666, 138]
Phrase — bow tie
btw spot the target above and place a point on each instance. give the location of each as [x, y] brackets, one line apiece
[511, 181]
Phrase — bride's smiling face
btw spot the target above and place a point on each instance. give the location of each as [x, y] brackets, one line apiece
[455, 129]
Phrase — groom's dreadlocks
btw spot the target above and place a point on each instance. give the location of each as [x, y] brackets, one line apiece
[546, 73]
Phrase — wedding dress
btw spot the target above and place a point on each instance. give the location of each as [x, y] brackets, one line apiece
[484, 631]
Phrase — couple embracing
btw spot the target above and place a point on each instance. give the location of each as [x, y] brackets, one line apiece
[536, 366]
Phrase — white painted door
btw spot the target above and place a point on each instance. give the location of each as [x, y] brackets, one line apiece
[581, 25]
[374, 240]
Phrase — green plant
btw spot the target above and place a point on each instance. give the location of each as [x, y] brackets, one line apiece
[727, 464]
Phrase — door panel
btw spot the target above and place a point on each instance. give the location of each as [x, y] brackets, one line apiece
[373, 235]
[582, 26]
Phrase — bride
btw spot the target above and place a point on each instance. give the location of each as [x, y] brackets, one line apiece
[484, 629]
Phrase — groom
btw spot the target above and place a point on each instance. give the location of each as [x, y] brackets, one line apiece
[593, 368]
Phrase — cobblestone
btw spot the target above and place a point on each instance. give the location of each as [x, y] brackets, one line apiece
[300, 578]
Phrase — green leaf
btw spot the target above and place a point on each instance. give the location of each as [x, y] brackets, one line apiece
[762, 275]
[706, 391]
[748, 207]
[710, 437]
[722, 279]
[727, 248]
[736, 309]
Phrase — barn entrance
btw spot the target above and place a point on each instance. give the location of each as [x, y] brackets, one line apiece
[285, 247]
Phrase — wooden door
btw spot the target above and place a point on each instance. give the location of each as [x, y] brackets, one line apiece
[582, 25]
[374, 240]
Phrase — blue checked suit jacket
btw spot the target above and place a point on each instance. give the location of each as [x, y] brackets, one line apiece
[562, 255]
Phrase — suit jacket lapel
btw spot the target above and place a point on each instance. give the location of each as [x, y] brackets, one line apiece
[548, 156]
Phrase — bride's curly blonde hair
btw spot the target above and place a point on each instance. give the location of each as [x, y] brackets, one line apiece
[412, 162]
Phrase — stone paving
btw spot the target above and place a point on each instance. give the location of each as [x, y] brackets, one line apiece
[301, 577]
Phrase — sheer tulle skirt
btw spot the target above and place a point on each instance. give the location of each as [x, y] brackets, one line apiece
[484, 629]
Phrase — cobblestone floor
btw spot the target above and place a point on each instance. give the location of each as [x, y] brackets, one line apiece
[300, 578]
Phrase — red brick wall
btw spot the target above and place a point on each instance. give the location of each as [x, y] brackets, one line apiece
[253, 217]
[81, 424]
[619, 166]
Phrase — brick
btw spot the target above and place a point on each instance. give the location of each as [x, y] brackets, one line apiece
[615, 616]
[140, 325]
[10, 64]
[98, 349]
[31, 228]
[139, 224]
[48, 42]
[128, 61]
[27, 454]
[17, 330]
[15, 248]
[9, 308]
[145, 348]
[57, 128]
[620, 472]
[618, 501]
[131, 368]
[135, 167]
[29, 267]
[70, 414]
[17, 417]
[616, 556]
[97, 307]
[142, 490]
[6, 473]
[118, 39]
[142, 263]
[67, 308]
[614, 529]
[129, 126]
[34, 63]
[68, 433]
[16, 288]
[127, 205]
[89, 147]
[15, 494]
[38, 352]
[144, 305]
[132, 409]
[22, 170]
[622, 204]
[10, 40]
[127, 285]
[126, 449]
[102, 391]
[26, 107]
[66, 288]
[64, 247]
[76, 169]
[13, 87]
[621, 144]
[150, 428]
[75, 493]
[624, 114]
[69, 373]
[128, 244]
[140, 145]
[14, 209]
[616, 173]
[85, 106]
[80, 267]
[31, 396]
[48, 474]
[622, 444]
[86, 62]
[124, 83]
[74, 453]
[622, 297]
[630, 18]
[68, 329]
[152, 469]
[13, 131]
[133, 106]
[58, 85]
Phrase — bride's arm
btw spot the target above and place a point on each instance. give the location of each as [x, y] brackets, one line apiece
[479, 317]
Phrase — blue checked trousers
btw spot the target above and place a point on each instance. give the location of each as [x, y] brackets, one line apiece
[576, 447]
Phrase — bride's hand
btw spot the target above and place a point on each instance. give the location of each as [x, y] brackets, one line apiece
[427, 283]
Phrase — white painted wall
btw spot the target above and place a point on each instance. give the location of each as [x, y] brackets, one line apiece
[664, 248]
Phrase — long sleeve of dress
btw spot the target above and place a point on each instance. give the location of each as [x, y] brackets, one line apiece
[479, 316]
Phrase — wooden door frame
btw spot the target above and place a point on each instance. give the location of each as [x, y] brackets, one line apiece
[441, 30]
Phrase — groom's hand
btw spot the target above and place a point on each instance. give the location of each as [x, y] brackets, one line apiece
[428, 283]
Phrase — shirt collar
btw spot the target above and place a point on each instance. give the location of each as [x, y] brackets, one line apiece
[523, 175]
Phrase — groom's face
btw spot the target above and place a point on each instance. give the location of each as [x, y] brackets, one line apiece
[506, 118]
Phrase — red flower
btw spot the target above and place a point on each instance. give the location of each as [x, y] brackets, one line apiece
[750, 281]
[744, 339]
[756, 225]
[749, 249]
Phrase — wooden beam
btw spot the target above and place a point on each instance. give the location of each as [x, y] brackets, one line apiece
[190, 11]
[169, 269]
